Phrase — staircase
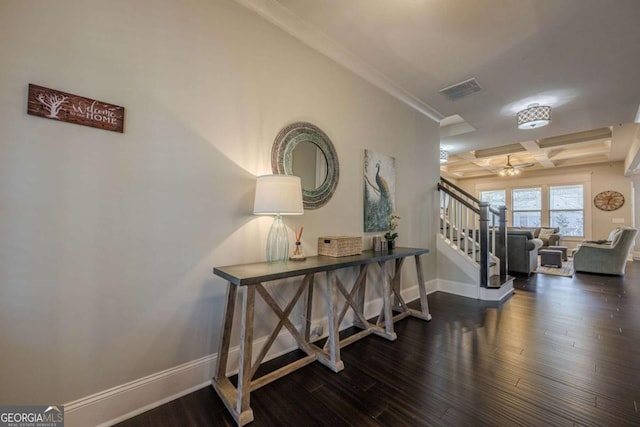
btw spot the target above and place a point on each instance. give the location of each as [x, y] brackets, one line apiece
[473, 235]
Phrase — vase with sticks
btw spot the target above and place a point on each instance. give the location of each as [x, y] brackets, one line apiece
[297, 254]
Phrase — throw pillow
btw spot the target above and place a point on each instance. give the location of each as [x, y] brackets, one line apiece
[615, 232]
[545, 234]
[617, 237]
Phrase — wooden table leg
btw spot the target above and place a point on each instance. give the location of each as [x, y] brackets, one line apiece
[387, 301]
[308, 310]
[395, 285]
[225, 333]
[424, 305]
[244, 412]
[235, 399]
[360, 294]
[334, 363]
[399, 305]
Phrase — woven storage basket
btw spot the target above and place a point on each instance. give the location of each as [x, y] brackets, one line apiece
[337, 246]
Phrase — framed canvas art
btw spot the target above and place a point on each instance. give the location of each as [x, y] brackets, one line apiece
[379, 191]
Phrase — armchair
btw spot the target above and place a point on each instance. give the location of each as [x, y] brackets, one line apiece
[607, 258]
[522, 251]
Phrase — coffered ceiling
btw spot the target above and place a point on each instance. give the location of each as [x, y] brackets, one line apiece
[581, 57]
[580, 148]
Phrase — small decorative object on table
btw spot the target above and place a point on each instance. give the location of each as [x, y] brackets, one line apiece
[297, 254]
[377, 243]
[391, 235]
[339, 246]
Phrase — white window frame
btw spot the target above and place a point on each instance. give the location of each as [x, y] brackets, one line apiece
[567, 210]
[505, 194]
[545, 181]
[513, 211]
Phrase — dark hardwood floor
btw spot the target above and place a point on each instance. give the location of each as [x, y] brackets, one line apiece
[560, 351]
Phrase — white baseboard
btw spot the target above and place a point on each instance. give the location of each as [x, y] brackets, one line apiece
[119, 403]
[475, 291]
[468, 290]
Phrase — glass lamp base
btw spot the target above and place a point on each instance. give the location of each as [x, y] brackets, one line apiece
[278, 241]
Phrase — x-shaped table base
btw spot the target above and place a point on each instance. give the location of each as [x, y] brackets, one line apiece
[237, 398]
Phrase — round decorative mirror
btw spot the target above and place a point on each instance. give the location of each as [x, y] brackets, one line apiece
[304, 150]
[310, 164]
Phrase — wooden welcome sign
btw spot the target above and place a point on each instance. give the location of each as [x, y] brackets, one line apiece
[65, 107]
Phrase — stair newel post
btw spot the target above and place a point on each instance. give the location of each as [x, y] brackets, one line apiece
[484, 244]
[466, 230]
[502, 243]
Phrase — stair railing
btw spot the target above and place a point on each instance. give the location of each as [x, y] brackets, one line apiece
[474, 227]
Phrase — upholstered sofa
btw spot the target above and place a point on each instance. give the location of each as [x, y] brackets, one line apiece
[606, 258]
[522, 248]
[550, 236]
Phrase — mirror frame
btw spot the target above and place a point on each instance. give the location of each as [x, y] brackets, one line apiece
[282, 154]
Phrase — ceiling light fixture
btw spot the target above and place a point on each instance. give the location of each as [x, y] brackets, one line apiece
[444, 155]
[510, 170]
[534, 116]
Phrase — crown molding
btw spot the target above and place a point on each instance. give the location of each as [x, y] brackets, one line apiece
[291, 23]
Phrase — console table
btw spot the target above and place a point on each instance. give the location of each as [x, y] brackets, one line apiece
[250, 278]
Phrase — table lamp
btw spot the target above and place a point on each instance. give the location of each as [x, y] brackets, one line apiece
[278, 195]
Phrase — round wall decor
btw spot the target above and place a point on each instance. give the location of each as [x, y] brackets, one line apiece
[304, 150]
[608, 200]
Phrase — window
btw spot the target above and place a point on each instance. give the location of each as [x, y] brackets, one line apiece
[527, 206]
[494, 197]
[566, 209]
[545, 204]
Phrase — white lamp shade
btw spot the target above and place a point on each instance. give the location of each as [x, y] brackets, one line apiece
[278, 194]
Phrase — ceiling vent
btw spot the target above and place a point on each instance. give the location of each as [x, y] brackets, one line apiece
[462, 89]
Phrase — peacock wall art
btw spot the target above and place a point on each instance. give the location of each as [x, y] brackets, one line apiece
[379, 190]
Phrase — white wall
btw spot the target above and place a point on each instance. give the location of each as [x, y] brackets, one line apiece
[107, 240]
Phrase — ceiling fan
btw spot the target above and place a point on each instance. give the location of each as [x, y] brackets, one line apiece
[513, 170]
